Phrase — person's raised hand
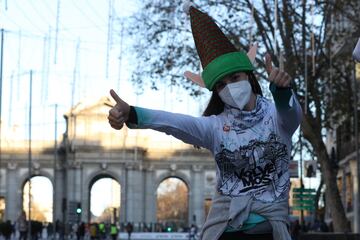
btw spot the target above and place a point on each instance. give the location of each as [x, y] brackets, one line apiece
[278, 77]
[119, 113]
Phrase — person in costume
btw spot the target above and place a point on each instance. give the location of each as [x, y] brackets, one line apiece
[248, 135]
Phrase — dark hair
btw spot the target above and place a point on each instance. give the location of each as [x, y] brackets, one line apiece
[216, 105]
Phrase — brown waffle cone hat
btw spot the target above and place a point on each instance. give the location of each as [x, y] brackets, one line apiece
[218, 55]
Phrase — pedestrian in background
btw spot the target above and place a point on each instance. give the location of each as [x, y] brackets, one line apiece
[193, 232]
[129, 229]
[80, 233]
[113, 231]
[7, 229]
[22, 225]
[93, 231]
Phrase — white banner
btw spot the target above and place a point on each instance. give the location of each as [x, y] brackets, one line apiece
[155, 235]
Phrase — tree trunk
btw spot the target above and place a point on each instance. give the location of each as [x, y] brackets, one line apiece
[317, 197]
[329, 171]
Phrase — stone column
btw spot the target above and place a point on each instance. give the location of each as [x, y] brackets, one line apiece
[13, 193]
[150, 195]
[58, 193]
[81, 191]
[78, 191]
[78, 194]
[70, 182]
[70, 214]
[134, 194]
[197, 216]
[123, 195]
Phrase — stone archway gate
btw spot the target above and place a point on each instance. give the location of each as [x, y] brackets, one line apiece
[90, 149]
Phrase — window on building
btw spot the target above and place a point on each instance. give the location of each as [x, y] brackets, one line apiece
[349, 192]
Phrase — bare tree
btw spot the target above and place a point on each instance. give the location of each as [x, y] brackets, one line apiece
[172, 205]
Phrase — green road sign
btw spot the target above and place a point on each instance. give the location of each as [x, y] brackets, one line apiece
[307, 208]
[303, 202]
[304, 199]
[304, 190]
[303, 196]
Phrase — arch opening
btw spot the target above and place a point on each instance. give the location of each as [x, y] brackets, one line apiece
[105, 199]
[39, 190]
[172, 205]
[2, 208]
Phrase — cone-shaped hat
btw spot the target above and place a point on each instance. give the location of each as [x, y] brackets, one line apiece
[218, 55]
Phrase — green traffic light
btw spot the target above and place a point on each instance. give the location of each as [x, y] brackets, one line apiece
[169, 229]
[78, 208]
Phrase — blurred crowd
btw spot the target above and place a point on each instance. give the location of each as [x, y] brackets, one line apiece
[110, 231]
[82, 231]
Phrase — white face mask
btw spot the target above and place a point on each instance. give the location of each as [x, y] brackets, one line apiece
[236, 94]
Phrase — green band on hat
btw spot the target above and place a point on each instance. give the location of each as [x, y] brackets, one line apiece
[224, 65]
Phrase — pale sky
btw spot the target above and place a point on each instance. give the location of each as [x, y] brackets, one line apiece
[111, 189]
[69, 65]
[42, 196]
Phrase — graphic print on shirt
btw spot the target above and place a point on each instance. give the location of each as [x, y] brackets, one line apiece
[254, 168]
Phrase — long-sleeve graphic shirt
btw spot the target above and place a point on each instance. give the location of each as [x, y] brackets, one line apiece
[251, 148]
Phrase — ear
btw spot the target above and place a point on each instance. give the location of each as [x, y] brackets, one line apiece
[196, 78]
[252, 52]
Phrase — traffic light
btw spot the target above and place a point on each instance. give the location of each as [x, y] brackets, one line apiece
[78, 208]
[168, 229]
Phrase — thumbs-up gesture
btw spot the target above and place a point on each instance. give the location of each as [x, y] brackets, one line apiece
[278, 77]
[118, 114]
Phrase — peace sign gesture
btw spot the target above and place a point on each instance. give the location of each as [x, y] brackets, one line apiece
[278, 77]
[118, 114]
